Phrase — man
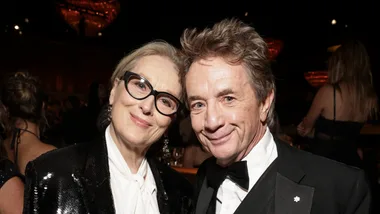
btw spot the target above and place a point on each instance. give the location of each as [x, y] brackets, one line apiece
[230, 93]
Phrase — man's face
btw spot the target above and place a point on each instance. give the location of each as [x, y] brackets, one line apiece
[225, 114]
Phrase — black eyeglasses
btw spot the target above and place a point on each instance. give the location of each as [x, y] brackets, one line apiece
[140, 88]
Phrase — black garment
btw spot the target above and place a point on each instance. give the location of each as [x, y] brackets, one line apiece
[258, 193]
[76, 179]
[337, 139]
[300, 183]
[237, 172]
[7, 171]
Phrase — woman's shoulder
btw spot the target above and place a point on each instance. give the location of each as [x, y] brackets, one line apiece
[324, 95]
[326, 89]
[7, 171]
[62, 159]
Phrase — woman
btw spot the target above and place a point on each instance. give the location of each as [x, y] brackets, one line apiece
[11, 186]
[23, 98]
[113, 174]
[340, 108]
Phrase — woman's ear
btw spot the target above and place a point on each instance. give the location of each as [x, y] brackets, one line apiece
[111, 98]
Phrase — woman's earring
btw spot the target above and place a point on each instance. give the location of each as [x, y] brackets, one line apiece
[165, 151]
[109, 109]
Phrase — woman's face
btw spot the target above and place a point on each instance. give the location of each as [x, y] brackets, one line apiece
[137, 122]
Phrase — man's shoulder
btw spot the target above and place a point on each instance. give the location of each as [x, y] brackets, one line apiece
[337, 185]
[309, 163]
[322, 168]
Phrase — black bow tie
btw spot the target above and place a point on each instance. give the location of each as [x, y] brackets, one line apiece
[237, 172]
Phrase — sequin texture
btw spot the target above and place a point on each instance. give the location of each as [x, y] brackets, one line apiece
[76, 180]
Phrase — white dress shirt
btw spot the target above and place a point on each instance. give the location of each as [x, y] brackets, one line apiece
[229, 194]
[132, 193]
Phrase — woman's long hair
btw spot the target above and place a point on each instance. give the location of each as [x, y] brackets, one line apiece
[350, 64]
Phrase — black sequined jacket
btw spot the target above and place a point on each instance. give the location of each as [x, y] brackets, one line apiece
[76, 180]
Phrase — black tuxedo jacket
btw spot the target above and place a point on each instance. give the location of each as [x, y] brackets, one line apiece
[297, 183]
[76, 179]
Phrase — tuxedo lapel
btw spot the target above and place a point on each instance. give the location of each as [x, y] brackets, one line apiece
[261, 194]
[280, 183]
[290, 195]
[204, 198]
[94, 181]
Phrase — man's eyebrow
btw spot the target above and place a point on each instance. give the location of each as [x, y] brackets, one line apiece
[225, 92]
[196, 97]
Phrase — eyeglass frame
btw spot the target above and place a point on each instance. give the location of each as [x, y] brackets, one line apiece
[153, 92]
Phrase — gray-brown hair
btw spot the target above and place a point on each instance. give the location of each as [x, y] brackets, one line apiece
[237, 43]
[158, 48]
[154, 48]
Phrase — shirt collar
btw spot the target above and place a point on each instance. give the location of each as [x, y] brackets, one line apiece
[144, 174]
[261, 156]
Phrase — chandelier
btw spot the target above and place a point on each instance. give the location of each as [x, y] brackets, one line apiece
[316, 78]
[89, 17]
[274, 46]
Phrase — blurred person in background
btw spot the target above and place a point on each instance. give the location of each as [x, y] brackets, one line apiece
[341, 107]
[22, 98]
[11, 185]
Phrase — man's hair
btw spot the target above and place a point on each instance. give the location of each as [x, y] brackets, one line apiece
[237, 43]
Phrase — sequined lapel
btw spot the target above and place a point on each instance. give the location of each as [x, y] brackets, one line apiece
[95, 180]
[162, 195]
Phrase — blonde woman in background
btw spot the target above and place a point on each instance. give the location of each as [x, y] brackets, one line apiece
[341, 107]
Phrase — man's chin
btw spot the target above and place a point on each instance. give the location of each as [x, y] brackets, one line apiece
[224, 159]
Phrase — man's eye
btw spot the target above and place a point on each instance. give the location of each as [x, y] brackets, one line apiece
[228, 98]
[197, 105]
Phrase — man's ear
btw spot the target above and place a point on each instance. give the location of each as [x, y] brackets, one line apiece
[265, 106]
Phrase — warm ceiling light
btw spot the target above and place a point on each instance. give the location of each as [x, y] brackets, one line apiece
[333, 48]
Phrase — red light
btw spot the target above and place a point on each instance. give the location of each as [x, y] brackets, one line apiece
[316, 78]
[91, 13]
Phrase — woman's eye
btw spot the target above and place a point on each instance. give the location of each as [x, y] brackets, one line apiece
[141, 85]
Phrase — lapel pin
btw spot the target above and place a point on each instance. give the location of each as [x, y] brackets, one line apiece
[297, 199]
